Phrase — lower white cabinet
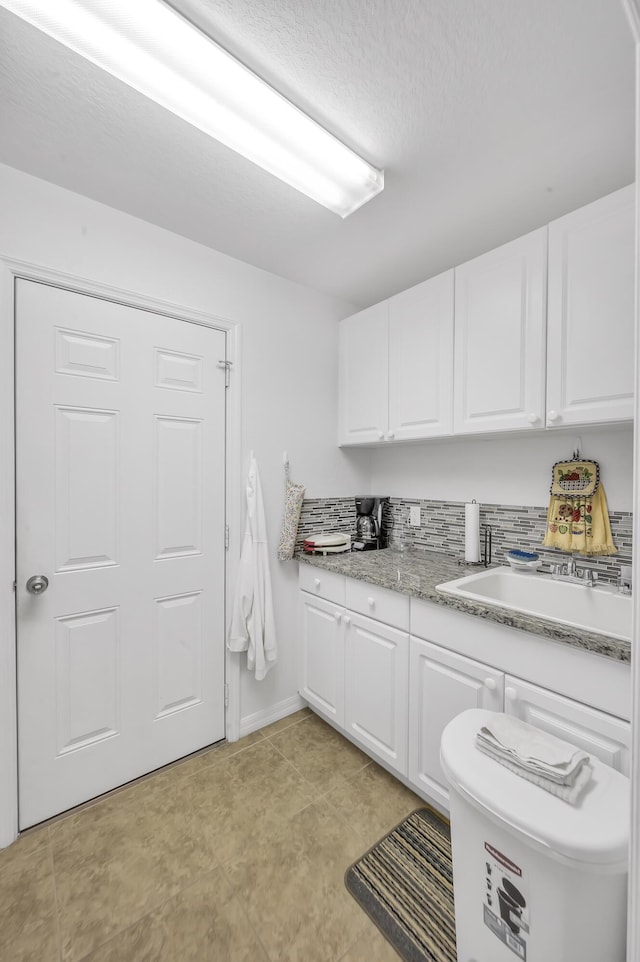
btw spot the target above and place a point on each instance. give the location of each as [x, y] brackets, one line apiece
[321, 661]
[392, 690]
[442, 684]
[375, 696]
[603, 736]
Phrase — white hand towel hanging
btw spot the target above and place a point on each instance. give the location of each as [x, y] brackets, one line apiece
[252, 627]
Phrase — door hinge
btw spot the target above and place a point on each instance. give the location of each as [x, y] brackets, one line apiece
[226, 537]
[226, 696]
[227, 371]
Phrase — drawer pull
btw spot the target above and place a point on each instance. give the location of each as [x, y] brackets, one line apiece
[338, 616]
[347, 620]
[490, 683]
[316, 582]
[371, 601]
[510, 693]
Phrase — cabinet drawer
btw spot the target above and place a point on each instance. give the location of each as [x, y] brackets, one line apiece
[322, 584]
[379, 603]
[597, 733]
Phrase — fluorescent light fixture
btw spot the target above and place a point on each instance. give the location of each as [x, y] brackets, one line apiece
[153, 49]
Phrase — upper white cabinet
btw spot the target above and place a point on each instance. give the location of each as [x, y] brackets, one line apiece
[591, 312]
[364, 376]
[396, 366]
[536, 333]
[500, 311]
[421, 360]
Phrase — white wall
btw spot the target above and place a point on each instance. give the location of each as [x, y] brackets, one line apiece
[509, 470]
[288, 355]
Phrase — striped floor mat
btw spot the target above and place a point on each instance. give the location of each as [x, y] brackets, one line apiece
[405, 885]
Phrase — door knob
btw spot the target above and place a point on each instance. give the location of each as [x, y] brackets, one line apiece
[490, 684]
[37, 584]
[552, 415]
[510, 693]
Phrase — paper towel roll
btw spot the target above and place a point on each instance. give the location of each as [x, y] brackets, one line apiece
[472, 532]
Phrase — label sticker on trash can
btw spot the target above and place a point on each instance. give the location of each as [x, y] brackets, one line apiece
[506, 901]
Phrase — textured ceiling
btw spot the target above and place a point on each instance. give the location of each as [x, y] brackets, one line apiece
[490, 117]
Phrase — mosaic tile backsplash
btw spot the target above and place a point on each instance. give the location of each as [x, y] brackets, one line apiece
[442, 529]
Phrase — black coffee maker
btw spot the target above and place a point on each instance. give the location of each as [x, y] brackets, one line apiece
[372, 523]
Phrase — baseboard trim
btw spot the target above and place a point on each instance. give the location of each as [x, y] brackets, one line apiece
[271, 714]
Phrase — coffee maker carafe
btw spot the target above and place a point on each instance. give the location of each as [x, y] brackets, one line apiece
[370, 524]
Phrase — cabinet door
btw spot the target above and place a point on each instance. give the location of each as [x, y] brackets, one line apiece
[363, 354]
[500, 310]
[376, 678]
[442, 684]
[590, 333]
[321, 664]
[421, 360]
[604, 736]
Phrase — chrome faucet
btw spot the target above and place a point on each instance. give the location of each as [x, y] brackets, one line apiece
[577, 574]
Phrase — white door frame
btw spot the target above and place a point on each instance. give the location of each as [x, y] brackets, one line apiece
[11, 269]
[632, 10]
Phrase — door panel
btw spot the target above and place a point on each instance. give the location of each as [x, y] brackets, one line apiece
[442, 685]
[421, 359]
[321, 669]
[87, 503]
[364, 376]
[178, 487]
[86, 685]
[591, 290]
[120, 437]
[499, 368]
[376, 674]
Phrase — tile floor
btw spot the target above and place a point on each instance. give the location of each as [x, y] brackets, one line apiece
[234, 855]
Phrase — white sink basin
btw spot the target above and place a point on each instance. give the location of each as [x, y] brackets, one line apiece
[602, 610]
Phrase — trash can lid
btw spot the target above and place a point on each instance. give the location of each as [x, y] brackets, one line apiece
[594, 831]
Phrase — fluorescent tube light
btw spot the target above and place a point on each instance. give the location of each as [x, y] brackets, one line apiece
[153, 49]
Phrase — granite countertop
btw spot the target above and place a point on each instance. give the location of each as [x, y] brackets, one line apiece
[417, 573]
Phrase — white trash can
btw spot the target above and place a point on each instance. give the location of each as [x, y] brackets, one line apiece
[534, 878]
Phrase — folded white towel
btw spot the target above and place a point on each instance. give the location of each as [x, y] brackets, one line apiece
[515, 764]
[540, 753]
[568, 793]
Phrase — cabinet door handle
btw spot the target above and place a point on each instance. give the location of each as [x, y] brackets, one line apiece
[510, 693]
[380, 435]
[533, 418]
[391, 435]
[338, 617]
[490, 683]
[371, 601]
[552, 415]
[347, 620]
[316, 582]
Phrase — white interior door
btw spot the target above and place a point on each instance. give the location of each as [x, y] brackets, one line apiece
[120, 446]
